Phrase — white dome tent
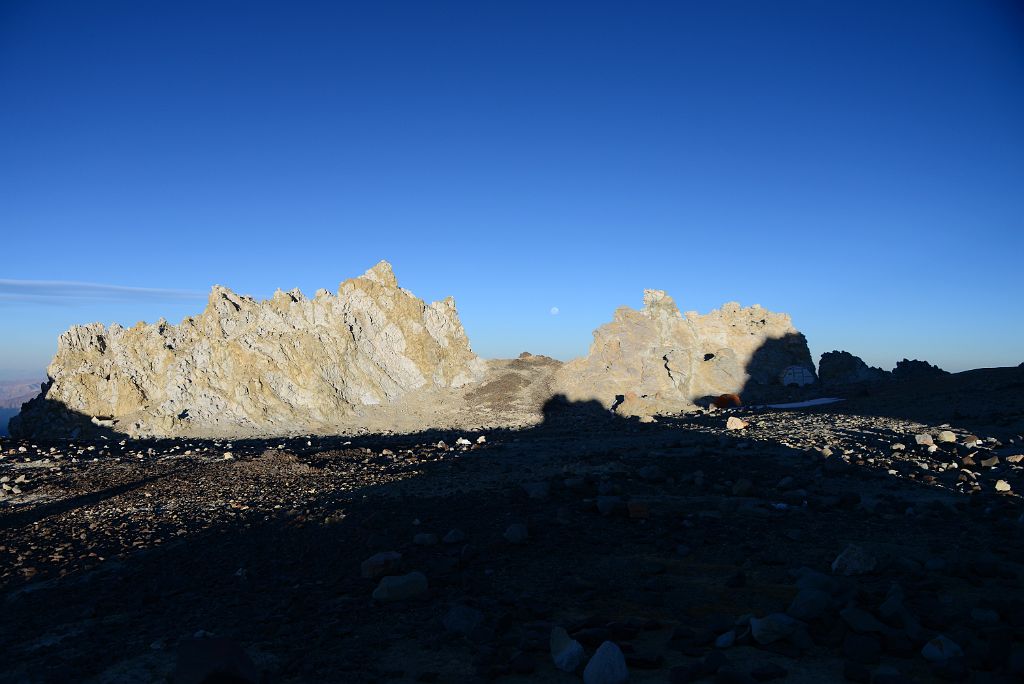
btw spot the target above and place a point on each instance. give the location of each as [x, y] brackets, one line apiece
[800, 376]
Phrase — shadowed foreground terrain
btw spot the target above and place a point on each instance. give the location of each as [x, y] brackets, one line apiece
[813, 545]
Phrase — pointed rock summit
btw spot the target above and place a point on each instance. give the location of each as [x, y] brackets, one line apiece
[286, 364]
[383, 274]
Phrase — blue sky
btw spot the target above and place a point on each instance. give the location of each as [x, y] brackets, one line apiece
[858, 165]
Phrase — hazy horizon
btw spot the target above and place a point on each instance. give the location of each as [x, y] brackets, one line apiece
[857, 166]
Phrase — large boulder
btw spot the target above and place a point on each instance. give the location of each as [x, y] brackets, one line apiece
[916, 370]
[658, 360]
[286, 364]
[843, 368]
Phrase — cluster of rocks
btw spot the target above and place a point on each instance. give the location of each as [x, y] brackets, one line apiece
[914, 370]
[843, 368]
[836, 368]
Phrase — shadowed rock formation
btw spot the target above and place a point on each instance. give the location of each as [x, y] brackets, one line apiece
[657, 360]
[843, 368]
[287, 363]
[916, 370]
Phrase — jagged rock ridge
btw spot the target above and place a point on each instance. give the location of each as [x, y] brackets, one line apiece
[660, 360]
[285, 364]
[843, 368]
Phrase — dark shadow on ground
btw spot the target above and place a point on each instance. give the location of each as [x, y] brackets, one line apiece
[985, 400]
[285, 582]
[21, 517]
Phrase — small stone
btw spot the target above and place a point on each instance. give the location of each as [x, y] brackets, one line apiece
[651, 473]
[742, 487]
[735, 423]
[856, 672]
[1015, 458]
[862, 648]
[809, 604]
[947, 436]
[566, 652]
[923, 439]
[990, 462]
[228, 456]
[208, 659]
[1003, 486]
[425, 539]
[768, 672]
[607, 504]
[726, 640]
[481, 439]
[941, 649]
[517, 533]
[713, 662]
[380, 564]
[607, 666]
[462, 620]
[522, 664]
[574, 482]
[462, 441]
[985, 615]
[400, 587]
[860, 620]
[537, 490]
[854, 560]
[772, 628]
[736, 580]
[1015, 665]
[454, 537]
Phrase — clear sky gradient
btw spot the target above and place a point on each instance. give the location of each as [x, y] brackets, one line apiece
[859, 165]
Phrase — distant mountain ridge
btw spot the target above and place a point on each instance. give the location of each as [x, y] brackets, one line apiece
[14, 393]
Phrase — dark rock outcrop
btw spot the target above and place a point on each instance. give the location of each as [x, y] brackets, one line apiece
[843, 368]
[916, 370]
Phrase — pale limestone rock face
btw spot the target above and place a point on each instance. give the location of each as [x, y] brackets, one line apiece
[661, 360]
[285, 364]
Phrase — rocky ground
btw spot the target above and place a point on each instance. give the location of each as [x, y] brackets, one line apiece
[877, 539]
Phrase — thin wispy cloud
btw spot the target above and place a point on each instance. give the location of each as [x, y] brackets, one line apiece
[57, 292]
